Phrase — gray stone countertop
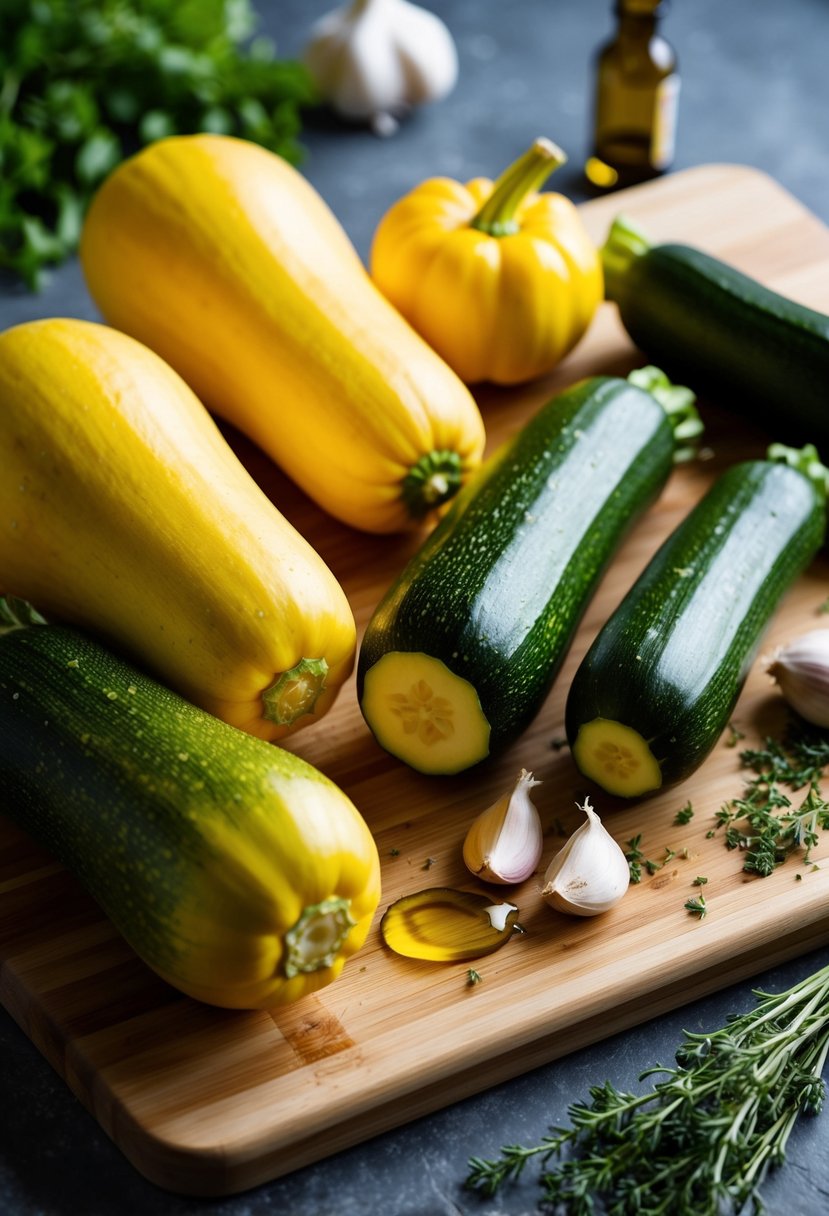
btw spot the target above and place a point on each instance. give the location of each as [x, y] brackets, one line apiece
[754, 91]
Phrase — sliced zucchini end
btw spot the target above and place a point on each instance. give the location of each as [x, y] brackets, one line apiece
[617, 758]
[424, 714]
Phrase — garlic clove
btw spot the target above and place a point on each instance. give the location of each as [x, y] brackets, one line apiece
[354, 64]
[504, 844]
[427, 54]
[801, 669]
[590, 874]
[372, 59]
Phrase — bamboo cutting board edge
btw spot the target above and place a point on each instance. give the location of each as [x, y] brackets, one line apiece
[225, 1141]
[221, 1169]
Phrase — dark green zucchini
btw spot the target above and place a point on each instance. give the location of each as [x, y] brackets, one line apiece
[658, 685]
[735, 342]
[461, 652]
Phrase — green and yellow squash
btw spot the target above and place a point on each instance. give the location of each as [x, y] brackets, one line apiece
[240, 874]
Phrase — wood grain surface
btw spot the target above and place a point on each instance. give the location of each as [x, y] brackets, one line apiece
[208, 1101]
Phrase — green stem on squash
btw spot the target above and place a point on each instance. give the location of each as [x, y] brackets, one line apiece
[497, 216]
[806, 460]
[315, 940]
[435, 479]
[625, 242]
[295, 692]
[17, 614]
[678, 402]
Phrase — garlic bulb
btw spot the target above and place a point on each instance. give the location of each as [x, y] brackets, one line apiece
[590, 874]
[373, 59]
[504, 843]
[802, 671]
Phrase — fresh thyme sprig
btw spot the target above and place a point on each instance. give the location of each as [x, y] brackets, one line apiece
[764, 823]
[700, 1142]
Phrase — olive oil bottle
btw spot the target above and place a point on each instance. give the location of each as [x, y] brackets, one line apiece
[637, 90]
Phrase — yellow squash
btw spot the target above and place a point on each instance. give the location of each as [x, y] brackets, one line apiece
[223, 259]
[123, 509]
[500, 280]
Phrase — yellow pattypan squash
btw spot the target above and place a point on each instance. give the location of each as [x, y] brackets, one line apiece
[501, 281]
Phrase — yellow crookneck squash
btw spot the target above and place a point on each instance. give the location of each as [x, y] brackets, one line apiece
[500, 280]
[123, 510]
[222, 258]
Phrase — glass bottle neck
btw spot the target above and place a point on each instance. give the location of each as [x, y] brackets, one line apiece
[654, 9]
[636, 25]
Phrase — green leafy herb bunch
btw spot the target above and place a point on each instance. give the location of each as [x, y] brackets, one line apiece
[85, 82]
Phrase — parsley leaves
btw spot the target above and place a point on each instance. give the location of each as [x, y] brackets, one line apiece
[86, 82]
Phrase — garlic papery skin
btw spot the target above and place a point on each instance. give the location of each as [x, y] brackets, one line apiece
[504, 844]
[590, 874]
[802, 671]
[373, 59]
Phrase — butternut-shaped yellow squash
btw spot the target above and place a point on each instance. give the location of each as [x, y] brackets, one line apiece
[123, 510]
[223, 259]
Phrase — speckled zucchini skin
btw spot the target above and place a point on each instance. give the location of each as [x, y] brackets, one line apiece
[672, 659]
[751, 350]
[201, 843]
[497, 590]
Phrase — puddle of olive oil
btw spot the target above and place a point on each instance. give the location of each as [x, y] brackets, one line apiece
[443, 925]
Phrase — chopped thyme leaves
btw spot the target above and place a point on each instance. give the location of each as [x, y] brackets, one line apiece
[684, 816]
[636, 859]
[763, 823]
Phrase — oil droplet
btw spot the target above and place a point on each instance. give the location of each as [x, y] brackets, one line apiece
[440, 924]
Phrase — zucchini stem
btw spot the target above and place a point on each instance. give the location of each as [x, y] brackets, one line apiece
[806, 460]
[625, 242]
[678, 402]
[497, 215]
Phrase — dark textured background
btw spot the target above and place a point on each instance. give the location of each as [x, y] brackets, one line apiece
[754, 91]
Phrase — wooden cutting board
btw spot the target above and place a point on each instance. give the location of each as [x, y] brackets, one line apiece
[209, 1101]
